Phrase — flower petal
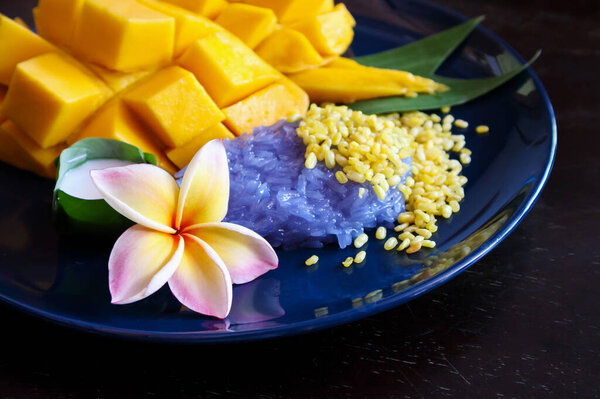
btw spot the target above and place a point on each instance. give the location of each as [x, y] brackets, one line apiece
[204, 194]
[141, 262]
[202, 282]
[246, 254]
[143, 193]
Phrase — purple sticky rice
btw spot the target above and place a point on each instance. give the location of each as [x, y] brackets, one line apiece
[273, 193]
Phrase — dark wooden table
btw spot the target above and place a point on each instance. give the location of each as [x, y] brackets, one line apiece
[524, 322]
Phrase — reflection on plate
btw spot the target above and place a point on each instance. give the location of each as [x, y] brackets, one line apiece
[65, 280]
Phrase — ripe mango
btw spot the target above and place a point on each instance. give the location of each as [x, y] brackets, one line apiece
[228, 69]
[181, 156]
[18, 149]
[123, 35]
[293, 10]
[273, 103]
[50, 96]
[289, 51]
[331, 33]
[119, 81]
[249, 23]
[174, 105]
[115, 121]
[207, 8]
[18, 44]
[55, 20]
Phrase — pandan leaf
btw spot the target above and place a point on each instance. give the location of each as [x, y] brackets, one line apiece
[423, 58]
[76, 215]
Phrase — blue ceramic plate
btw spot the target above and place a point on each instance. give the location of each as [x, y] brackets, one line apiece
[65, 279]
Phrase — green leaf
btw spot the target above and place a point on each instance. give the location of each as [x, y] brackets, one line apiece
[80, 216]
[423, 58]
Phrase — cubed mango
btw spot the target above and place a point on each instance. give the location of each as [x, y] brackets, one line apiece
[273, 103]
[189, 26]
[115, 121]
[181, 156]
[249, 23]
[289, 51]
[331, 33]
[19, 150]
[228, 69]
[18, 44]
[207, 8]
[119, 81]
[55, 20]
[174, 105]
[123, 35]
[49, 97]
[292, 10]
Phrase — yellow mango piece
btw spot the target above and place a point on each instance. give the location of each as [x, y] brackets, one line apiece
[289, 51]
[20, 21]
[249, 23]
[174, 105]
[228, 69]
[115, 121]
[273, 103]
[327, 6]
[18, 149]
[207, 8]
[55, 20]
[331, 33]
[119, 81]
[343, 85]
[50, 96]
[189, 26]
[293, 10]
[123, 35]
[181, 156]
[18, 44]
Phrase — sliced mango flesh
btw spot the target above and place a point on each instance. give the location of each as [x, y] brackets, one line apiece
[207, 8]
[49, 97]
[331, 33]
[293, 10]
[119, 81]
[115, 121]
[174, 105]
[181, 156]
[123, 35]
[228, 69]
[18, 44]
[249, 23]
[290, 51]
[189, 27]
[18, 149]
[55, 20]
[273, 103]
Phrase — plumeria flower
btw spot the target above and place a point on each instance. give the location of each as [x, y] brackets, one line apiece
[179, 237]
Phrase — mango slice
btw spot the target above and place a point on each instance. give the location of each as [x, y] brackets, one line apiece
[55, 20]
[293, 10]
[18, 44]
[273, 103]
[174, 105]
[228, 69]
[189, 27]
[19, 150]
[207, 8]
[115, 121]
[49, 97]
[123, 35]
[346, 85]
[249, 23]
[181, 156]
[119, 81]
[331, 33]
[290, 51]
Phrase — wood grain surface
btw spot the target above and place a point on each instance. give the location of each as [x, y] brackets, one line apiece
[524, 322]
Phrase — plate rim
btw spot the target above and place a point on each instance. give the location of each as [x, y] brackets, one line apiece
[349, 315]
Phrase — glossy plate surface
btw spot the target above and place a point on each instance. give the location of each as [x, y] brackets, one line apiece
[64, 279]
